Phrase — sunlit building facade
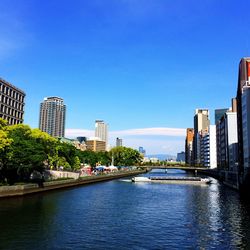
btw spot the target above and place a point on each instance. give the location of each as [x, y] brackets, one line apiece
[11, 103]
[201, 125]
[101, 131]
[52, 116]
[189, 145]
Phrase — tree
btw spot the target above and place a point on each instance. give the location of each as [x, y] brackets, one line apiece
[124, 156]
[49, 145]
[5, 143]
[25, 154]
[103, 158]
[88, 157]
[76, 163]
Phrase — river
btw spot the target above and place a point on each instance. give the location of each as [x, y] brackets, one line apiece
[119, 214]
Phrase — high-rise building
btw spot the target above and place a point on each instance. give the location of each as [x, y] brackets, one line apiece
[118, 142]
[189, 145]
[101, 131]
[52, 116]
[243, 120]
[11, 103]
[201, 125]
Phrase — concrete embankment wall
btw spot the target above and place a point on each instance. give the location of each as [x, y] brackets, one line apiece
[19, 190]
[62, 174]
[228, 178]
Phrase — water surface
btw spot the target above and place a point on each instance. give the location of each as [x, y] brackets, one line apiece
[123, 215]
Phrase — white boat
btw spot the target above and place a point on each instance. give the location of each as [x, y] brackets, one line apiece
[176, 180]
[140, 179]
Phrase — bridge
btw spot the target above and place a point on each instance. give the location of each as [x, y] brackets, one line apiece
[174, 166]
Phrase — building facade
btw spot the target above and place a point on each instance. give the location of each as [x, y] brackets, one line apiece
[52, 116]
[101, 131]
[96, 145]
[227, 142]
[242, 121]
[218, 114]
[180, 157]
[118, 142]
[246, 125]
[189, 146]
[208, 148]
[11, 103]
[201, 125]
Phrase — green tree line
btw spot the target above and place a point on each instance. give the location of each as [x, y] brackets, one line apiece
[23, 150]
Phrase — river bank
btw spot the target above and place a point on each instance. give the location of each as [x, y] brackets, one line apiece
[20, 190]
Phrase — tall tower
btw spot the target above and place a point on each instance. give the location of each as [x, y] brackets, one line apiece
[201, 125]
[101, 131]
[52, 116]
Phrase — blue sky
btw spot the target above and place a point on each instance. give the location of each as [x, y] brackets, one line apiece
[136, 64]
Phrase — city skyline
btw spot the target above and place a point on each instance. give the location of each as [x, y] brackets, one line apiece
[137, 59]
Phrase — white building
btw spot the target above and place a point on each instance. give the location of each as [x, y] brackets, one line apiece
[232, 138]
[208, 148]
[101, 131]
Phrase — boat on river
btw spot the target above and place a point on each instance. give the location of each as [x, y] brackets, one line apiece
[175, 180]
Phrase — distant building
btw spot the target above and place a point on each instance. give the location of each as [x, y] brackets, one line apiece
[201, 125]
[101, 131]
[52, 116]
[96, 145]
[79, 145]
[142, 150]
[189, 146]
[81, 139]
[180, 157]
[154, 159]
[118, 142]
[11, 103]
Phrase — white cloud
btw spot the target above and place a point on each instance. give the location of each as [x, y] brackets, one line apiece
[73, 133]
[150, 131]
[154, 140]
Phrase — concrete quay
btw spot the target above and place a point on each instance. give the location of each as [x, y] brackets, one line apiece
[20, 190]
[228, 178]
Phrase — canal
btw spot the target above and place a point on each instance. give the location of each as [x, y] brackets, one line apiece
[122, 215]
